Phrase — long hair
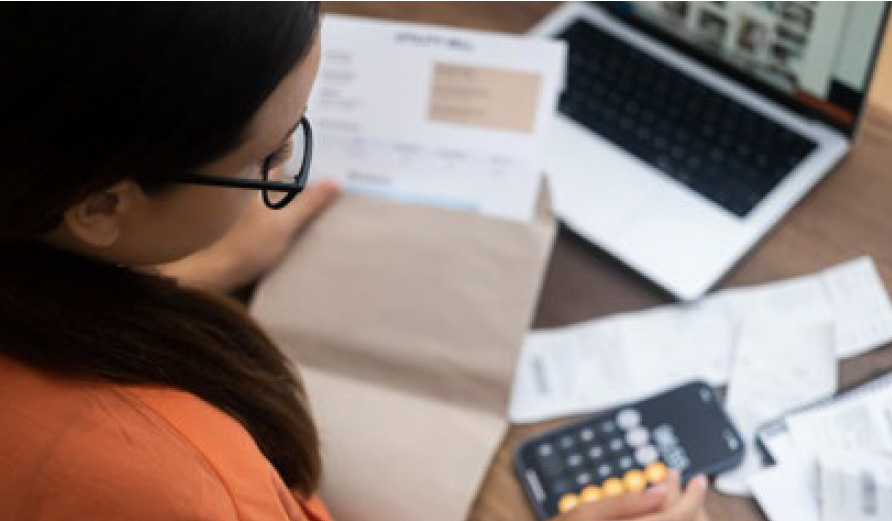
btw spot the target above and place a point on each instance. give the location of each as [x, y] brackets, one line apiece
[97, 93]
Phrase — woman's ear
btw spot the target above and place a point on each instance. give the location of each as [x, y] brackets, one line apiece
[99, 220]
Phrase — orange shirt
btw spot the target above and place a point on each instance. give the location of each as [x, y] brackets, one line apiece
[71, 450]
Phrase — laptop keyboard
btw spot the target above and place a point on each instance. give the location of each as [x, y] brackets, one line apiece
[703, 139]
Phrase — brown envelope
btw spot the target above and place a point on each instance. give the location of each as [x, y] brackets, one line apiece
[406, 322]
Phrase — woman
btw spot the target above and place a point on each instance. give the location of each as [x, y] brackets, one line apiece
[133, 139]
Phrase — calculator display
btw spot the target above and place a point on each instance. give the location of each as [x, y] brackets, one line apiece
[628, 449]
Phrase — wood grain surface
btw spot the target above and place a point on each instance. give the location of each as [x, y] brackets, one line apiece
[845, 216]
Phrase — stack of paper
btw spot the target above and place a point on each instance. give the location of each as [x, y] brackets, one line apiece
[836, 457]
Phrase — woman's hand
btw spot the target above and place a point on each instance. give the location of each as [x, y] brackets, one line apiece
[255, 243]
[666, 502]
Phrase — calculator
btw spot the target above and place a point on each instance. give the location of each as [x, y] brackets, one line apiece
[628, 448]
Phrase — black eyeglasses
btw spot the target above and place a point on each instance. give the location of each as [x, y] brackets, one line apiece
[278, 187]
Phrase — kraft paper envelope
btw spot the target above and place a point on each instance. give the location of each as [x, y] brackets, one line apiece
[406, 323]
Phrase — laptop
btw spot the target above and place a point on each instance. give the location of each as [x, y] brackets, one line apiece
[688, 129]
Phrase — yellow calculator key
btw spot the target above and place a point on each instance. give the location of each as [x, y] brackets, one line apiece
[568, 502]
[612, 487]
[656, 472]
[591, 493]
[635, 481]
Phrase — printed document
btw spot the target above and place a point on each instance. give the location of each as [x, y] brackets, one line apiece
[436, 116]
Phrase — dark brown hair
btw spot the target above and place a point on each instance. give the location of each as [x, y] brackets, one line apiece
[97, 93]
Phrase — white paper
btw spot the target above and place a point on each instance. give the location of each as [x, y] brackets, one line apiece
[608, 361]
[416, 113]
[782, 494]
[841, 451]
[847, 426]
[851, 294]
[861, 306]
[778, 367]
[565, 369]
[856, 485]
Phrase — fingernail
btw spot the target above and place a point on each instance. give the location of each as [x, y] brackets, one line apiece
[699, 482]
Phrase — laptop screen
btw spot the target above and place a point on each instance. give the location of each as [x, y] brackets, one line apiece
[819, 55]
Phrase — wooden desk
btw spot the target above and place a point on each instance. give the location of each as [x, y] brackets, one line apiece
[844, 217]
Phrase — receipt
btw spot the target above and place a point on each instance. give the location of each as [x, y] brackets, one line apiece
[846, 427]
[579, 368]
[851, 294]
[676, 343]
[778, 367]
[560, 371]
[861, 307]
[604, 362]
[856, 485]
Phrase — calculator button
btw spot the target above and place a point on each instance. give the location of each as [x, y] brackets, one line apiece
[608, 427]
[574, 460]
[656, 472]
[637, 437]
[605, 470]
[646, 455]
[625, 463]
[635, 481]
[590, 493]
[616, 445]
[583, 479]
[546, 450]
[568, 502]
[587, 434]
[595, 453]
[628, 419]
[612, 487]
[567, 442]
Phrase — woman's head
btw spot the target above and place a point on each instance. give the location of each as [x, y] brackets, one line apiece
[101, 101]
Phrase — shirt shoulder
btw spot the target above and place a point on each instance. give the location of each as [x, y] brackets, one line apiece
[117, 460]
[109, 452]
[231, 452]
